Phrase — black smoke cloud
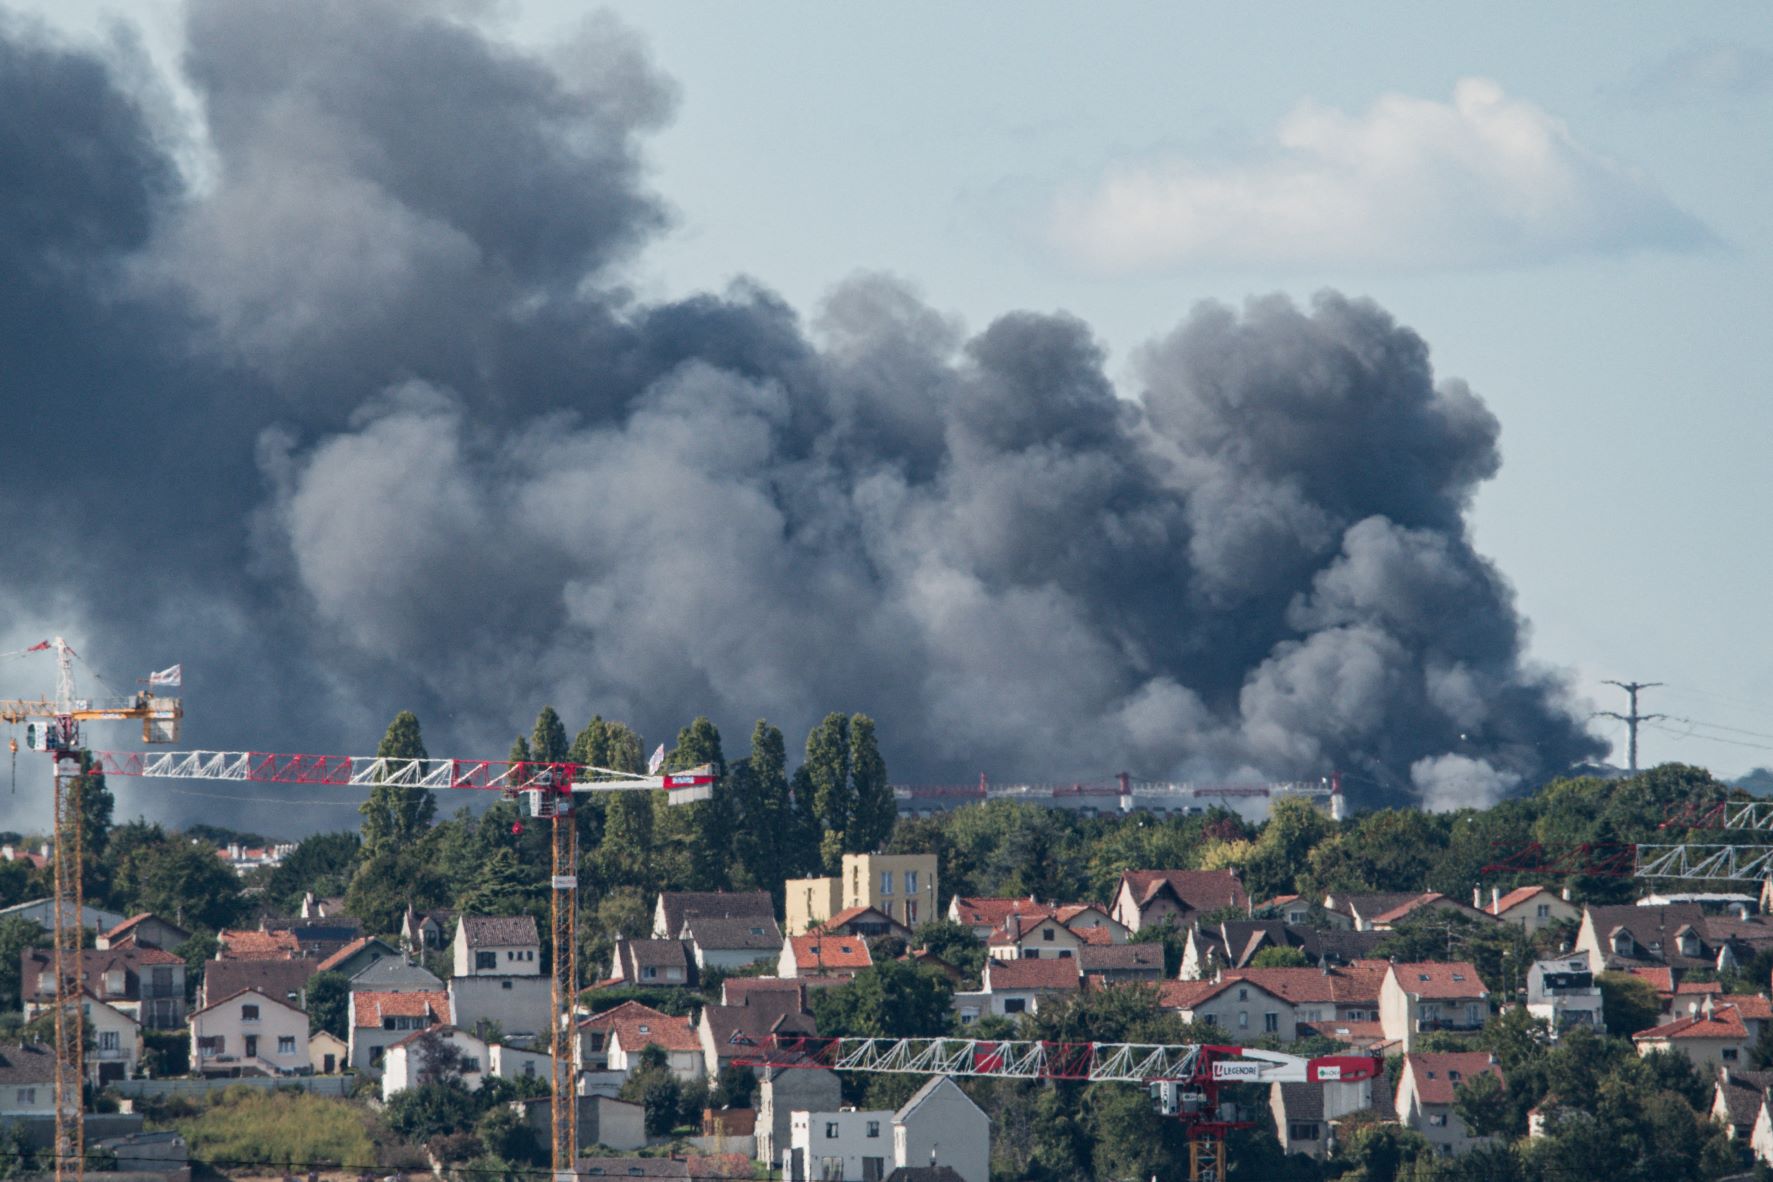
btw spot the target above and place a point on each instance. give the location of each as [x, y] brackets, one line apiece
[364, 419]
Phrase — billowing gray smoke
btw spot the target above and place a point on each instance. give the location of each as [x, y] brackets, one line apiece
[365, 421]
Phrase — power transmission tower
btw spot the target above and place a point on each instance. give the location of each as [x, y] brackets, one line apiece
[1631, 720]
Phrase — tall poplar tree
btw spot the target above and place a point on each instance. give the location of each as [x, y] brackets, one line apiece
[396, 816]
[846, 779]
[703, 830]
[625, 857]
[548, 742]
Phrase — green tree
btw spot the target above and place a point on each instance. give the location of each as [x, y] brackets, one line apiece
[396, 815]
[827, 772]
[393, 879]
[431, 1110]
[652, 1085]
[1482, 1104]
[699, 835]
[763, 825]
[183, 880]
[500, 887]
[1628, 1003]
[329, 1000]
[1279, 958]
[16, 935]
[626, 856]
[548, 742]
[954, 943]
[890, 1000]
[876, 809]
[322, 863]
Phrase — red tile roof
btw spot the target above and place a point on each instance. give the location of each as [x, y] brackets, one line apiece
[1751, 1007]
[1660, 978]
[1515, 898]
[640, 1026]
[1722, 1023]
[1201, 890]
[1438, 1074]
[816, 950]
[1355, 1034]
[368, 1008]
[1185, 995]
[346, 953]
[1426, 899]
[1698, 987]
[1096, 935]
[852, 913]
[251, 945]
[1437, 981]
[1032, 973]
[979, 912]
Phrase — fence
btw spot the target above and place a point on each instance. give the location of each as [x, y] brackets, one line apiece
[156, 1089]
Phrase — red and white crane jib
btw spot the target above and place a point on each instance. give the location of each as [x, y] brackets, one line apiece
[367, 771]
[1092, 1062]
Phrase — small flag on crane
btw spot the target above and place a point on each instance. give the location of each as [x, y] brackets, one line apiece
[173, 676]
[656, 762]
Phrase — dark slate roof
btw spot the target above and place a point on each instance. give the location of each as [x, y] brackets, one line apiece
[500, 931]
[1097, 958]
[1371, 903]
[658, 954]
[26, 1063]
[736, 1030]
[1652, 931]
[1303, 1101]
[678, 904]
[273, 978]
[393, 973]
[748, 933]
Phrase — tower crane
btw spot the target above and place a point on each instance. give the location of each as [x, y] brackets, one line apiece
[548, 788]
[1184, 1078]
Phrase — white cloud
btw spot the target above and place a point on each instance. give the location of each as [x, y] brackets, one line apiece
[1411, 184]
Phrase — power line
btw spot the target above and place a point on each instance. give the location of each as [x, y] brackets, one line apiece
[1634, 718]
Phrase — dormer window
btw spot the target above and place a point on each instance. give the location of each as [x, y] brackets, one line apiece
[1453, 1075]
[1458, 976]
[1622, 943]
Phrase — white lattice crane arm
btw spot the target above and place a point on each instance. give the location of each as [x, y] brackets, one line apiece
[369, 770]
[1093, 1062]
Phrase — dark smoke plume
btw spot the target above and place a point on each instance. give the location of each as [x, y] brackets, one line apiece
[364, 420]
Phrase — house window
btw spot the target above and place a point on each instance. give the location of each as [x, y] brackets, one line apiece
[911, 882]
[210, 1044]
[1015, 1005]
[249, 1013]
[874, 1128]
[1437, 1120]
[1243, 995]
[1271, 1022]
[886, 882]
[504, 984]
[252, 1046]
[1208, 1019]
[107, 1040]
[486, 960]
[470, 1063]
[910, 913]
[1243, 1019]
[1047, 934]
[1302, 1130]
[286, 1044]
[1064, 954]
[649, 974]
[831, 1130]
[27, 1095]
[1729, 1054]
[1543, 911]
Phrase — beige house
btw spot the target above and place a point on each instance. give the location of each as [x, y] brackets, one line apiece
[27, 1080]
[249, 1033]
[1242, 1008]
[327, 1053]
[1427, 1090]
[1532, 907]
[1148, 897]
[1416, 999]
[1033, 937]
[901, 886]
[1712, 1039]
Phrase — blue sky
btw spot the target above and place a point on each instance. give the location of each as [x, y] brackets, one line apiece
[1569, 204]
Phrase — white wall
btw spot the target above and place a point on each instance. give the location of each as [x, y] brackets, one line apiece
[278, 1026]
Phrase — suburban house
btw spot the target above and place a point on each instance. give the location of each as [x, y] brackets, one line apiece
[1234, 943]
[1358, 910]
[1712, 1039]
[42, 913]
[327, 1052]
[900, 886]
[771, 991]
[27, 1080]
[866, 923]
[1324, 996]
[356, 956]
[1117, 963]
[1290, 909]
[986, 915]
[1532, 907]
[819, 955]
[323, 906]
[520, 1007]
[1384, 921]
[249, 1033]
[1629, 936]
[1563, 992]
[1092, 923]
[1147, 897]
[405, 1063]
[1304, 1113]
[318, 938]
[1736, 1100]
[425, 931]
[1428, 1088]
[938, 1126]
[116, 1042]
[782, 1091]
[674, 907]
[379, 1020]
[497, 946]
[1242, 1008]
[286, 980]
[145, 930]
[1017, 986]
[630, 1028]
[146, 983]
[725, 1033]
[1415, 999]
[1033, 936]
[650, 962]
[730, 942]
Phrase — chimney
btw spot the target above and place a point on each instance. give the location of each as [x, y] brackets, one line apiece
[1566, 893]
[1495, 899]
[1477, 897]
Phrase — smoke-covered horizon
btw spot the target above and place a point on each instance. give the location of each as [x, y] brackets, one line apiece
[368, 421]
